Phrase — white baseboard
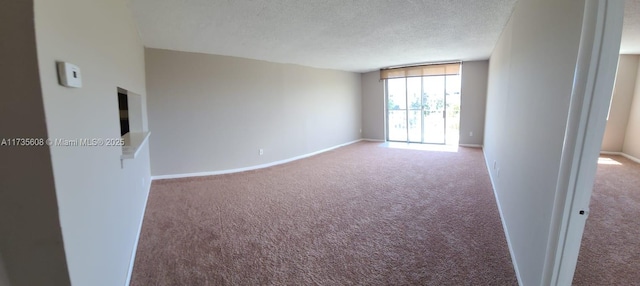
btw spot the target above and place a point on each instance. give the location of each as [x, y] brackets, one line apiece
[261, 166]
[630, 157]
[471, 145]
[135, 244]
[372, 140]
[634, 159]
[504, 225]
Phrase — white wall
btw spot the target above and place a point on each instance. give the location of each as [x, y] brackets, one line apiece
[623, 92]
[530, 83]
[213, 113]
[473, 90]
[373, 112]
[31, 250]
[632, 138]
[100, 202]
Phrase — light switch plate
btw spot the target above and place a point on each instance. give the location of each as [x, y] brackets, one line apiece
[69, 75]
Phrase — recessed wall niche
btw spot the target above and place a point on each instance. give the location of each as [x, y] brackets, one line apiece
[130, 107]
[130, 116]
[123, 106]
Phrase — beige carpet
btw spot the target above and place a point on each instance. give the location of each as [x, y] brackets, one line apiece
[358, 215]
[610, 250]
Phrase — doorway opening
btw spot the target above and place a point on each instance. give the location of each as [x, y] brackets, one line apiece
[423, 109]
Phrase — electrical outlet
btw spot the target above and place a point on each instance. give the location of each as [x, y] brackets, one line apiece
[261, 152]
[471, 133]
[360, 130]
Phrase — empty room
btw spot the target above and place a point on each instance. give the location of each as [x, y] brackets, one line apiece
[165, 142]
[611, 233]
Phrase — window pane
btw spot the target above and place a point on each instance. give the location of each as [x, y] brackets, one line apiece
[434, 127]
[414, 92]
[453, 109]
[415, 125]
[434, 90]
[397, 125]
[453, 85]
[397, 94]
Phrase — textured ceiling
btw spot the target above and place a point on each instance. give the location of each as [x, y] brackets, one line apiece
[631, 28]
[351, 35]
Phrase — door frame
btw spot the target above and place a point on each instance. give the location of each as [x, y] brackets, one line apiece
[592, 89]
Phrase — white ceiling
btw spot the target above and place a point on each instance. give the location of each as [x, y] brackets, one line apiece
[355, 35]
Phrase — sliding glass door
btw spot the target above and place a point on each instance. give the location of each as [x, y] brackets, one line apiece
[434, 109]
[397, 109]
[452, 109]
[423, 109]
[415, 109]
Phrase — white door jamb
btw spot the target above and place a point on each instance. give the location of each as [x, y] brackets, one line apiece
[593, 82]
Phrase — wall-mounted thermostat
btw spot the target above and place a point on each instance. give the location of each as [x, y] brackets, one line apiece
[69, 75]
